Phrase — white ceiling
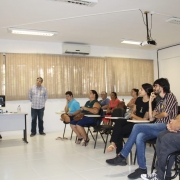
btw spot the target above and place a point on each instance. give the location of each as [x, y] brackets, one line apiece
[105, 24]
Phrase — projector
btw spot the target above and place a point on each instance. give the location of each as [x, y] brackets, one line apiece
[148, 43]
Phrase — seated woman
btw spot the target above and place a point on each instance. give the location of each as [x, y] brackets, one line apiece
[91, 107]
[114, 102]
[140, 112]
[134, 94]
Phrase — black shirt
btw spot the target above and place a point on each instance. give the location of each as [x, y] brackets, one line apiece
[141, 107]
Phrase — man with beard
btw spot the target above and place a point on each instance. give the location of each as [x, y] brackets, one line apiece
[165, 110]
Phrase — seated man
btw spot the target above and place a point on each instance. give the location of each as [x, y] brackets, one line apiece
[167, 142]
[105, 101]
[71, 107]
[165, 110]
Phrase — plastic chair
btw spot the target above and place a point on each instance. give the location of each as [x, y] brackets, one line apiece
[118, 112]
[176, 164]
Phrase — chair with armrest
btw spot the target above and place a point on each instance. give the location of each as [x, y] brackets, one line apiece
[118, 112]
[65, 123]
[176, 164]
[98, 122]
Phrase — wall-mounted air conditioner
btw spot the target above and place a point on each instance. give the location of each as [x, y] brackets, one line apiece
[75, 49]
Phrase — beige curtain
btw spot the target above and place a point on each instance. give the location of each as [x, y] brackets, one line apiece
[2, 74]
[60, 74]
[123, 74]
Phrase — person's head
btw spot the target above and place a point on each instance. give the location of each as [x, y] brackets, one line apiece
[161, 86]
[69, 95]
[146, 89]
[39, 81]
[113, 95]
[103, 95]
[93, 95]
[134, 92]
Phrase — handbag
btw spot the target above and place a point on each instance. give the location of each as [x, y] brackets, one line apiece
[78, 116]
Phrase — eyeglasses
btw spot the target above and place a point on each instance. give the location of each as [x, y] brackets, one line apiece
[102, 94]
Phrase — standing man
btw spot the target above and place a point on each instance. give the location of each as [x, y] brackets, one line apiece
[38, 96]
[165, 110]
[105, 101]
[71, 107]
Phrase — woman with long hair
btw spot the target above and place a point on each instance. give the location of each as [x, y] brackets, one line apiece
[140, 112]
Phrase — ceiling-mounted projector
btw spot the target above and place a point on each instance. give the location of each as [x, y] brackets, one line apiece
[148, 43]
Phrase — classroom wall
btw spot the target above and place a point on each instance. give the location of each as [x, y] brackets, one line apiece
[169, 65]
[51, 119]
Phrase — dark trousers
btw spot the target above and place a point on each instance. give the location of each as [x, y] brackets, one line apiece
[121, 129]
[166, 143]
[37, 113]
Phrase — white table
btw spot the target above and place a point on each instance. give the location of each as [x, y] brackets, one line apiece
[115, 117]
[14, 122]
[60, 112]
[92, 115]
[138, 121]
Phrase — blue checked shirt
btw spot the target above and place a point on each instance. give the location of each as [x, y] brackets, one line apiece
[38, 97]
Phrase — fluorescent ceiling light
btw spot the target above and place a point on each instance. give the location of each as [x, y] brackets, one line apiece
[32, 32]
[130, 42]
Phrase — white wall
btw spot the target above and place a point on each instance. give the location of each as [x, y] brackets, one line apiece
[169, 66]
[51, 120]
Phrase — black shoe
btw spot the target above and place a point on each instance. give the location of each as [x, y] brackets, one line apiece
[117, 161]
[0, 136]
[42, 133]
[137, 173]
[32, 134]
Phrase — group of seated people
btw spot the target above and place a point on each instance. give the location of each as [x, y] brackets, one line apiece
[154, 103]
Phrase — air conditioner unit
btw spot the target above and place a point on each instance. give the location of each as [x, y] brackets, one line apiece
[75, 49]
[89, 3]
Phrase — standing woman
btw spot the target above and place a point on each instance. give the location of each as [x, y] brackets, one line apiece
[140, 112]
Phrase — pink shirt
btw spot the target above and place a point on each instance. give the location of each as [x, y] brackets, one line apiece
[113, 104]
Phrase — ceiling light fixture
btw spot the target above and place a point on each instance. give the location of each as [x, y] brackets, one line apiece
[130, 42]
[174, 20]
[32, 32]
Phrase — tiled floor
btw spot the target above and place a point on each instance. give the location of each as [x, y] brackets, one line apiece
[45, 158]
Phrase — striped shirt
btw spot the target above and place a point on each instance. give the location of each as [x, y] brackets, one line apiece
[169, 105]
[38, 97]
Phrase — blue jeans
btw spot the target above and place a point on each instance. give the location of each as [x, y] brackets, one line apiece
[84, 121]
[141, 133]
[37, 113]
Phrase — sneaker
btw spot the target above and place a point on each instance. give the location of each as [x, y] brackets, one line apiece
[117, 161]
[152, 176]
[32, 134]
[137, 173]
[42, 133]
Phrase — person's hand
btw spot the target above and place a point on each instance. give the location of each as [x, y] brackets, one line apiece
[83, 108]
[152, 97]
[132, 115]
[69, 114]
[173, 126]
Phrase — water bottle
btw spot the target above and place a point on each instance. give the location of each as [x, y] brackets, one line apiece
[19, 109]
